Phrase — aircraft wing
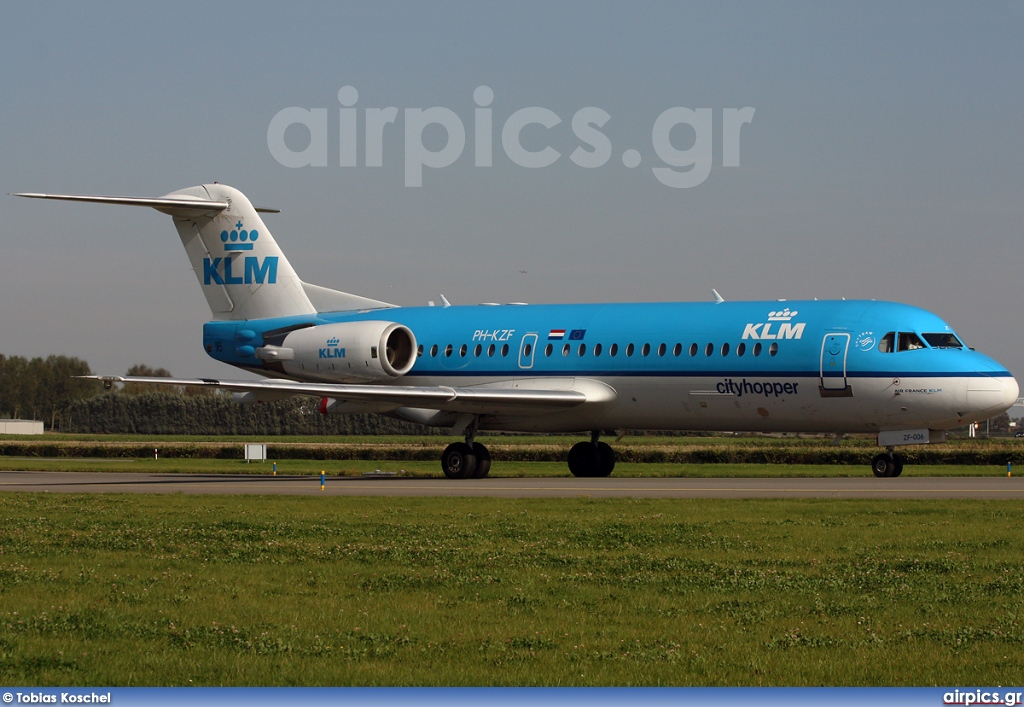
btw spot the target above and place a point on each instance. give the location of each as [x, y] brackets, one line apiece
[494, 399]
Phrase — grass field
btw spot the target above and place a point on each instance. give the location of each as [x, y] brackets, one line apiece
[155, 590]
[514, 455]
[500, 469]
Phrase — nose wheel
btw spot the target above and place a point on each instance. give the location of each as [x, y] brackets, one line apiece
[887, 465]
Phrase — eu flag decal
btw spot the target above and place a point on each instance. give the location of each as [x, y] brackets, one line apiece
[577, 334]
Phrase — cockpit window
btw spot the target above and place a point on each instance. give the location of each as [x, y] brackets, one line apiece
[885, 344]
[943, 341]
[909, 341]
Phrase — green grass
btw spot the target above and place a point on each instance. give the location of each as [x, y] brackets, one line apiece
[800, 455]
[499, 469]
[629, 440]
[178, 590]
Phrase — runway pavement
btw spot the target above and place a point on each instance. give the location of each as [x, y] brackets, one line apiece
[989, 487]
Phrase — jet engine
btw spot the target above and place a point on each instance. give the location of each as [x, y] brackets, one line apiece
[352, 352]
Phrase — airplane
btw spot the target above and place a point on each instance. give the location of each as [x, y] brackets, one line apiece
[839, 367]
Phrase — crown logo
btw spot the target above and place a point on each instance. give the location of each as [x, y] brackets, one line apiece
[783, 315]
[333, 342]
[238, 238]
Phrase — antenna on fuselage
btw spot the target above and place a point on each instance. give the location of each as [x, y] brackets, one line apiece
[718, 298]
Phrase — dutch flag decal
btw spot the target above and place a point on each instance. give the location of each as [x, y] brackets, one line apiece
[556, 335]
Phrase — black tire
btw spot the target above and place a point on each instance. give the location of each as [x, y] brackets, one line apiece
[458, 461]
[483, 460]
[883, 466]
[584, 459]
[607, 455]
[897, 461]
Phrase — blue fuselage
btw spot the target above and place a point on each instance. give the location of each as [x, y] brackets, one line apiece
[785, 366]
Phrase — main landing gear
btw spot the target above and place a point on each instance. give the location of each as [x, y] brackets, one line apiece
[466, 460]
[592, 459]
[471, 460]
[887, 465]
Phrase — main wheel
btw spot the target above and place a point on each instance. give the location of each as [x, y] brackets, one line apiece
[458, 461]
[897, 461]
[883, 466]
[483, 460]
[584, 459]
[607, 455]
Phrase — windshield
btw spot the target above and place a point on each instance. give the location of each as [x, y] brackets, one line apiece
[943, 341]
[909, 341]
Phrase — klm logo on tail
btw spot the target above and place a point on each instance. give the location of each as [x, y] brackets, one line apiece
[238, 238]
[219, 271]
[254, 270]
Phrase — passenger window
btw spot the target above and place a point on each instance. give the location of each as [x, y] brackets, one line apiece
[741, 349]
[885, 344]
[547, 350]
[662, 349]
[677, 350]
[433, 350]
[909, 341]
[565, 350]
[448, 350]
[629, 349]
[504, 349]
[477, 351]
[646, 349]
[583, 349]
[693, 349]
[613, 350]
[419, 350]
[462, 350]
[757, 349]
[709, 349]
[490, 350]
[725, 349]
[773, 349]
[597, 349]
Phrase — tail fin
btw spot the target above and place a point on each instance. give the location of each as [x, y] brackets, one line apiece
[240, 267]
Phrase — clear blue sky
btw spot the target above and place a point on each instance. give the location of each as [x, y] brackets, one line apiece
[885, 158]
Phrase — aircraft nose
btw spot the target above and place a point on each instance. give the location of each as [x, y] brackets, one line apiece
[1012, 393]
[988, 396]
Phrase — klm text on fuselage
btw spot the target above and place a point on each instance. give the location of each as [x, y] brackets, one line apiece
[223, 271]
[785, 331]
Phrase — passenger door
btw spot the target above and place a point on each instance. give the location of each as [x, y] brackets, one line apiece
[527, 348]
[834, 348]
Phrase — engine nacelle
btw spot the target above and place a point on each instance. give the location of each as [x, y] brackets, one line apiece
[349, 353]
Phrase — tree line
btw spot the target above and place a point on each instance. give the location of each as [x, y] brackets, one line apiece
[46, 389]
[43, 388]
[217, 414]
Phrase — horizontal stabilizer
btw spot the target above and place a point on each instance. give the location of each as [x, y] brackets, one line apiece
[175, 206]
[162, 203]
